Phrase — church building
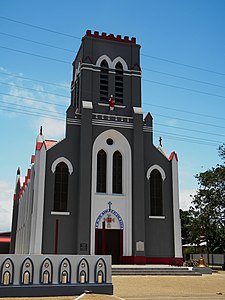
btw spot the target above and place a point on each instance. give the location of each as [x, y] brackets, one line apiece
[105, 188]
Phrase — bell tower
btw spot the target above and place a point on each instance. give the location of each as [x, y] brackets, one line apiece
[107, 73]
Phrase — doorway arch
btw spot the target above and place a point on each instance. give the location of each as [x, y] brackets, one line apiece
[112, 141]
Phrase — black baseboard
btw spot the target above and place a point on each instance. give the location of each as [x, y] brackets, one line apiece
[54, 290]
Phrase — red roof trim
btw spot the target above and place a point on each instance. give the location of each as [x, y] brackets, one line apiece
[111, 37]
[28, 173]
[26, 180]
[148, 114]
[39, 145]
[46, 143]
[32, 159]
[172, 155]
[49, 143]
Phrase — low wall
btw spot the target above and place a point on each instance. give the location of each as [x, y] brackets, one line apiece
[214, 259]
[54, 275]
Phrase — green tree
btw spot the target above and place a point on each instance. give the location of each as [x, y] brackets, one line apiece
[185, 219]
[208, 208]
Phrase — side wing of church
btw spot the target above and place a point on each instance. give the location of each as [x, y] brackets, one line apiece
[105, 188]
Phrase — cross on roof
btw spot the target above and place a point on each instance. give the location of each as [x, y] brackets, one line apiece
[160, 141]
[110, 205]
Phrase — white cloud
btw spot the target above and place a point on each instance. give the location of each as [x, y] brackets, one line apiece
[52, 129]
[6, 203]
[171, 122]
[185, 198]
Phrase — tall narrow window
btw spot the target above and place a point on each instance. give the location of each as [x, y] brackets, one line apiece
[104, 82]
[156, 193]
[77, 91]
[61, 187]
[117, 173]
[119, 83]
[101, 172]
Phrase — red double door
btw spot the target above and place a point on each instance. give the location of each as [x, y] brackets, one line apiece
[109, 242]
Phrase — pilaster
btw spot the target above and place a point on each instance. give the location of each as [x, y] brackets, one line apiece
[176, 214]
[84, 206]
[138, 185]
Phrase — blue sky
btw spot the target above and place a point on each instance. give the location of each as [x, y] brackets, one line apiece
[183, 71]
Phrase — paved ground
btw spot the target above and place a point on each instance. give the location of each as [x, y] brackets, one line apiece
[206, 287]
[171, 287]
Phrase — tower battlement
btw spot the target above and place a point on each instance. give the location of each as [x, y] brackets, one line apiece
[111, 37]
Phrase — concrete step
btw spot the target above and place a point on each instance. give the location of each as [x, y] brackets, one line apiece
[153, 271]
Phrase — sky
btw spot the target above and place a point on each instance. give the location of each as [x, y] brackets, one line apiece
[183, 71]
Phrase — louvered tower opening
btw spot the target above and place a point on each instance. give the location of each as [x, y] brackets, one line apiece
[119, 83]
[104, 82]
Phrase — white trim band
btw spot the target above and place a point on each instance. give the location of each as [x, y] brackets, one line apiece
[87, 104]
[157, 217]
[60, 213]
[138, 110]
[116, 105]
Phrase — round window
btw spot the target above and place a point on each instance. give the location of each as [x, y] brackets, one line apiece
[109, 142]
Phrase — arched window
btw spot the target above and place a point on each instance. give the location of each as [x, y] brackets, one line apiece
[119, 83]
[156, 193]
[101, 172]
[61, 187]
[117, 173]
[104, 81]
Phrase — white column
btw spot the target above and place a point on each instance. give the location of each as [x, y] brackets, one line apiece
[38, 202]
[176, 212]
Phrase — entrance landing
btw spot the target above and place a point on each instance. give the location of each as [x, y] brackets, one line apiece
[153, 270]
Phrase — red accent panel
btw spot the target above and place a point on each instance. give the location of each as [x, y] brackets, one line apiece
[96, 241]
[142, 260]
[5, 239]
[56, 235]
[121, 244]
[131, 260]
[165, 261]
[104, 241]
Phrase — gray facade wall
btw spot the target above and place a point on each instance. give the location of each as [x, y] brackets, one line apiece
[159, 232]
[74, 229]
[68, 148]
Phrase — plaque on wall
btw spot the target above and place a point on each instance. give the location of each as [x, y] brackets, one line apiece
[140, 246]
[83, 247]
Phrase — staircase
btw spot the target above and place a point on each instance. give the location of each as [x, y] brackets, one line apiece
[152, 270]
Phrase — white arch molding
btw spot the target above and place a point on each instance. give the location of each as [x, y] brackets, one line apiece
[112, 64]
[122, 61]
[122, 203]
[156, 167]
[106, 58]
[59, 160]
